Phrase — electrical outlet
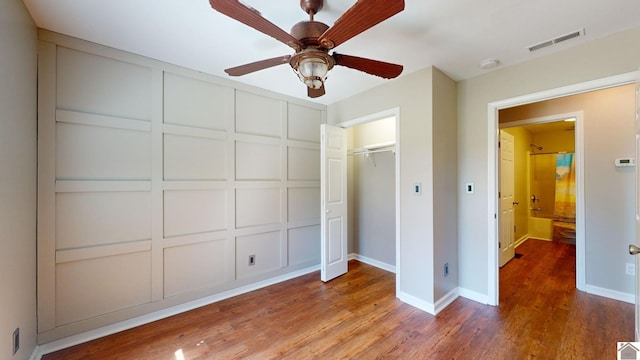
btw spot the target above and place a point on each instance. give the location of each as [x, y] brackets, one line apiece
[446, 269]
[252, 260]
[16, 341]
[631, 269]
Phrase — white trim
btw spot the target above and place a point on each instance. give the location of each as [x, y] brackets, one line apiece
[37, 353]
[611, 294]
[474, 296]
[492, 129]
[446, 300]
[520, 241]
[417, 303]
[165, 313]
[393, 112]
[539, 120]
[372, 262]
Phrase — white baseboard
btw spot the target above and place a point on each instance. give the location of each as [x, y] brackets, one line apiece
[417, 303]
[372, 262]
[446, 300]
[611, 294]
[520, 241]
[164, 313]
[37, 353]
[474, 296]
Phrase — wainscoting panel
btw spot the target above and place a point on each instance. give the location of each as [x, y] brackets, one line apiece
[89, 288]
[303, 123]
[196, 103]
[208, 267]
[304, 245]
[258, 161]
[304, 164]
[85, 219]
[256, 207]
[303, 203]
[266, 249]
[86, 152]
[194, 158]
[100, 85]
[194, 211]
[258, 115]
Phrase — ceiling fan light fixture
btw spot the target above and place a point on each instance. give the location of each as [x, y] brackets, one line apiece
[312, 71]
[312, 67]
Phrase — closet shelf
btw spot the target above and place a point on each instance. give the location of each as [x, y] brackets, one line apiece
[374, 148]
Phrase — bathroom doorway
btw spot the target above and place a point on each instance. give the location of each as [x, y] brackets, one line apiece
[544, 179]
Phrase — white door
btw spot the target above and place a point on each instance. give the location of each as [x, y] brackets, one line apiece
[506, 248]
[333, 191]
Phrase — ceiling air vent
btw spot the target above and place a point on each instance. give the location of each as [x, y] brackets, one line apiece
[557, 40]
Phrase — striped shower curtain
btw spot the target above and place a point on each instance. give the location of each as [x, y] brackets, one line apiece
[565, 205]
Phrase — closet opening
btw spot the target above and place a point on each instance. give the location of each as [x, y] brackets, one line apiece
[373, 192]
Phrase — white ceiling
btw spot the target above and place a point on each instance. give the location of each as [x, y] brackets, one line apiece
[453, 35]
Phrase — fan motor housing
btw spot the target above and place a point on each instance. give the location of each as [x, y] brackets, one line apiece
[308, 32]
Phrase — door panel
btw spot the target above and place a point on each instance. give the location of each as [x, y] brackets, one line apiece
[507, 186]
[333, 173]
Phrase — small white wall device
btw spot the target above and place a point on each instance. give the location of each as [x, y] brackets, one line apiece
[625, 162]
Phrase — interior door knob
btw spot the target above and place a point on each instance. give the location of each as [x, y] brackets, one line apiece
[633, 249]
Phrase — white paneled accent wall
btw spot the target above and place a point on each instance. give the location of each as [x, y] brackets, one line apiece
[159, 183]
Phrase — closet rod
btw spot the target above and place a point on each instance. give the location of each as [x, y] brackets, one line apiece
[362, 152]
[552, 153]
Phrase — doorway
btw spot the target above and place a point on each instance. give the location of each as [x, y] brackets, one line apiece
[553, 95]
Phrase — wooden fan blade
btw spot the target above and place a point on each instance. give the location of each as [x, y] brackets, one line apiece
[373, 67]
[361, 16]
[251, 17]
[258, 65]
[314, 93]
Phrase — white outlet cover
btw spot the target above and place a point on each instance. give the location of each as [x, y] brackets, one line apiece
[630, 269]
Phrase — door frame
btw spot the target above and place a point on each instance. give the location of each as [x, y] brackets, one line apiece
[492, 169]
[393, 112]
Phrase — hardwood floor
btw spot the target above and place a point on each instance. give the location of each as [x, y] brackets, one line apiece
[541, 316]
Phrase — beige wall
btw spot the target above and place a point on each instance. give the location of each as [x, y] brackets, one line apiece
[18, 41]
[605, 57]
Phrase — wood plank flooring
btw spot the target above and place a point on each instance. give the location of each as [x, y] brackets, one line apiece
[541, 316]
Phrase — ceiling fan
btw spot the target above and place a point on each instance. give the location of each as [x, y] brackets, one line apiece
[312, 40]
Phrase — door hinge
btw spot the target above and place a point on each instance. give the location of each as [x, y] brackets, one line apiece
[499, 245]
[499, 144]
[514, 228]
[499, 194]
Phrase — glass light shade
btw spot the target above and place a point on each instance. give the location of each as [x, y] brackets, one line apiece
[312, 71]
